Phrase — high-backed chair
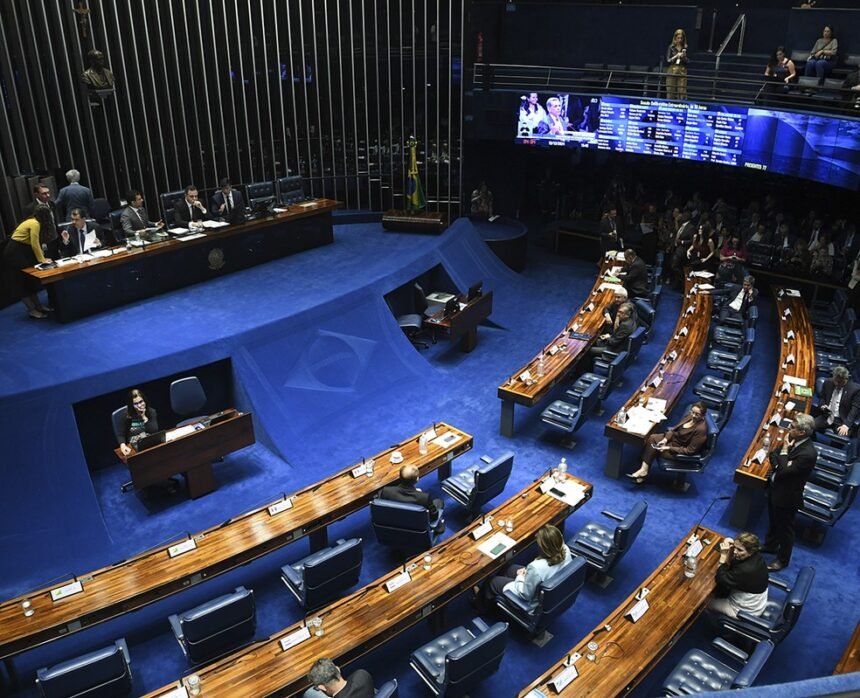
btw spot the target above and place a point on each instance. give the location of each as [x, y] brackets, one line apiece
[291, 190]
[115, 224]
[388, 690]
[552, 598]
[827, 506]
[634, 344]
[646, 313]
[260, 192]
[726, 361]
[681, 464]
[699, 672]
[321, 576]
[780, 615]
[738, 322]
[829, 314]
[834, 338]
[602, 546]
[607, 374]
[569, 414]
[168, 201]
[187, 398]
[478, 484]
[405, 527]
[216, 627]
[105, 672]
[117, 419]
[453, 663]
[100, 210]
[826, 360]
[721, 413]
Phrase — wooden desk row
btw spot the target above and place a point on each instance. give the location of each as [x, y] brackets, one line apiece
[676, 373]
[371, 616]
[154, 575]
[628, 651]
[751, 477]
[560, 356]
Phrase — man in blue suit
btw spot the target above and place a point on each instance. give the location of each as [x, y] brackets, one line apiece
[227, 203]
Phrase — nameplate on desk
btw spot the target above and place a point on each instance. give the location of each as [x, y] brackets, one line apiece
[694, 548]
[684, 331]
[496, 545]
[447, 439]
[564, 678]
[294, 638]
[283, 505]
[397, 582]
[182, 547]
[583, 336]
[672, 355]
[67, 590]
[760, 455]
[690, 310]
[481, 530]
[589, 307]
[655, 382]
[308, 205]
[789, 334]
[430, 434]
[790, 359]
[525, 376]
[359, 471]
[553, 350]
[637, 611]
[786, 314]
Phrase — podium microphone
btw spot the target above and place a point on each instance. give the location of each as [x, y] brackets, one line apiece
[720, 498]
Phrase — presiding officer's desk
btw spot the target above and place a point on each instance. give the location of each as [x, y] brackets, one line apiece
[628, 651]
[462, 326]
[751, 476]
[371, 616]
[191, 453]
[98, 283]
[675, 374]
[153, 575]
[560, 356]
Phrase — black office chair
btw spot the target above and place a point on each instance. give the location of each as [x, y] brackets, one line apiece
[168, 201]
[216, 627]
[321, 576]
[260, 193]
[105, 672]
[404, 527]
[101, 210]
[291, 190]
[187, 397]
[478, 484]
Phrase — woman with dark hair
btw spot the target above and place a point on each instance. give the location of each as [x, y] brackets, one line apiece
[553, 556]
[676, 66]
[531, 114]
[780, 67]
[140, 420]
[732, 258]
[686, 437]
[823, 55]
[700, 253]
[23, 250]
[742, 577]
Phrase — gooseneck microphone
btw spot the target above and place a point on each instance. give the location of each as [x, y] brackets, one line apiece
[720, 498]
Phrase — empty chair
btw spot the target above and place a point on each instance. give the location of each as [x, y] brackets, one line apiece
[603, 546]
[712, 389]
[568, 415]
[167, 201]
[478, 484]
[321, 576]
[780, 615]
[552, 598]
[829, 314]
[846, 356]
[101, 210]
[682, 464]
[608, 375]
[405, 527]
[260, 193]
[826, 506]
[726, 361]
[117, 418]
[291, 190]
[727, 337]
[115, 222]
[635, 344]
[646, 314]
[187, 398]
[699, 672]
[722, 411]
[453, 663]
[388, 690]
[216, 627]
[105, 672]
[834, 338]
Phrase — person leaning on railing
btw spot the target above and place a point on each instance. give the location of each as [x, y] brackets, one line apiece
[780, 67]
[676, 70]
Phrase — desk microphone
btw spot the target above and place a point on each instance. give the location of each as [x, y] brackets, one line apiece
[720, 498]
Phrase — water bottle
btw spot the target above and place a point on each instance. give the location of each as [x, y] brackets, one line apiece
[622, 416]
[540, 366]
[422, 444]
[562, 470]
[766, 441]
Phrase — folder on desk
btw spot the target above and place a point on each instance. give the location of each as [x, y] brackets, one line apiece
[440, 297]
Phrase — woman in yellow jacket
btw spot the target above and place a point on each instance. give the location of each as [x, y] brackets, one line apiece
[23, 250]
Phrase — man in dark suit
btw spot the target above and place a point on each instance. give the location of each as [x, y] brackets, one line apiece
[610, 231]
[625, 324]
[840, 403]
[42, 196]
[227, 203]
[134, 216]
[80, 236]
[740, 299]
[189, 210]
[553, 124]
[636, 276]
[407, 492]
[792, 463]
[75, 195]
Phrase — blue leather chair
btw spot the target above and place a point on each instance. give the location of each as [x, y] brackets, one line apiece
[105, 672]
[291, 190]
[834, 338]
[608, 374]
[570, 414]
[216, 627]
[114, 221]
[602, 546]
[825, 505]
[453, 663]
[726, 361]
[168, 201]
[187, 398]
[117, 419]
[827, 360]
[388, 690]
[552, 598]
[646, 313]
[721, 409]
[749, 321]
[478, 484]
[260, 192]
[634, 344]
[828, 314]
[780, 615]
[405, 527]
[680, 465]
[318, 578]
[699, 672]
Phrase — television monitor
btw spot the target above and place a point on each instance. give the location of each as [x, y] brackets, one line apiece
[558, 119]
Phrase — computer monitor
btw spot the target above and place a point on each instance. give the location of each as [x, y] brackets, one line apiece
[451, 307]
[475, 291]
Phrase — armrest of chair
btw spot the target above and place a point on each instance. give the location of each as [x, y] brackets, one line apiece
[779, 583]
[480, 625]
[815, 500]
[519, 603]
[612, 515]
[754, 620]
[176, 626]
[602, 550]
[687, 690]
[729, 649]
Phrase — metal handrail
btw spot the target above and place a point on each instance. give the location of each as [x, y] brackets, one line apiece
[740, 22]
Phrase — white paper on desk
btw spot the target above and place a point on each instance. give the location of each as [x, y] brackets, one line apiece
[84, 256]
[179, 231]
[496, 545]
[790, 405]
[706, 287]
[656, 404]
[213, 224]
[615, 271]
[793, 292]
[794, 380]
[308, 205]
[492, 218]
[606, 286]
[191, 237]
[179, 432]
[178, 692]
[66, 261]
[759, 456]
[101, 253]
[280, 210]
[572, 493]
[701, 275]
[446, 439]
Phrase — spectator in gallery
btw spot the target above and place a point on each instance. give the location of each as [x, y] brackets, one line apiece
[553, 124]
[822, 57]
[482, 202]
[780, 68]
[25, 248]
[822, 252]
[700, 253]
[798, 258]
[75, 195]
[531, 113]
[676, 70]
[732, 259]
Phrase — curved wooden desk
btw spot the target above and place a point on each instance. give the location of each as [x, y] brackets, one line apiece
[850, 661]
[751, 476]
[676, 373]
[561, 355]
[628, 651]
[371, 616]
[154, 575]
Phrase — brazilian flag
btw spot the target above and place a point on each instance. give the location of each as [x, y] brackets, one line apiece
[415, 200]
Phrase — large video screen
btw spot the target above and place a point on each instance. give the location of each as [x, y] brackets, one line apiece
[822, 148]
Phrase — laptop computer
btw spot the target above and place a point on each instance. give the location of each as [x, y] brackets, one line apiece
[150, 440]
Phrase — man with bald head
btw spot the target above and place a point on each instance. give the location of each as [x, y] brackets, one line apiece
[406, 491]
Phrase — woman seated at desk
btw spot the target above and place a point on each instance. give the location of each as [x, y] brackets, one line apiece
[686, 437]
[553, 557]
[742, 577]
[140, 420]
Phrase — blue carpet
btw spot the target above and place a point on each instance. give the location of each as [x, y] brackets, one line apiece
[319, 359]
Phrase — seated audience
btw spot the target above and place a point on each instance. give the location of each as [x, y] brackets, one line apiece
[821, 262]
[701, 251]
[851, 86]
[327, 681]
[798, 258]
[780, 68]
[840, 403]
[482, 202]
[406, 491]
[732, 258]
[742, 577]
[822, 58]
[687, 437]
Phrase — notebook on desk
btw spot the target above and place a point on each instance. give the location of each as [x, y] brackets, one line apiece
[440, 297]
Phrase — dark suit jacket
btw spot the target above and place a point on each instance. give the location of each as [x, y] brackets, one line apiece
[748, 575]
[408, 494]
[849, 405]
[545, 125]
[181, 213]
[238, 209]
[636, 279]
[75, 237]
[618, 338]
[790, 474]
[687, 441]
